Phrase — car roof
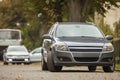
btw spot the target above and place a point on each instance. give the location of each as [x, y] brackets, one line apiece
[15, 45]
[84, 23]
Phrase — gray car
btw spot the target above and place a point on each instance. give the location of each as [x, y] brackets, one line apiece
[16, 54]
[77, 44]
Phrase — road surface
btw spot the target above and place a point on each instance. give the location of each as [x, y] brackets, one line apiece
[34, 72]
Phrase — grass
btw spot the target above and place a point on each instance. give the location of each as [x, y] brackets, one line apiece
[117, 67]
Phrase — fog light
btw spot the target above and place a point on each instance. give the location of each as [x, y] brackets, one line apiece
[10, 59]
[26, 59]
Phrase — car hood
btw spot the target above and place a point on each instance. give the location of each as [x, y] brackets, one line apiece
[78, 41]
[17, 53]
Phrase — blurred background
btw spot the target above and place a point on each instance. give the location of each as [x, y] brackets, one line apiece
[35, 17]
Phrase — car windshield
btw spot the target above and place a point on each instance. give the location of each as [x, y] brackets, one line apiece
[77, 30]
[17, 49]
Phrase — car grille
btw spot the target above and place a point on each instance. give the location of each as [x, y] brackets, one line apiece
[86, 49]
[18, 59]
[18, 56]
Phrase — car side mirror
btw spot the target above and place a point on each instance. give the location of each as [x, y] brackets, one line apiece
[109, 37]
[47, 36]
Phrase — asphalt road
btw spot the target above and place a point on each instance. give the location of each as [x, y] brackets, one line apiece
[34, 72]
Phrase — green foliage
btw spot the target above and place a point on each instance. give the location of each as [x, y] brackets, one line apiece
[117, 29]
[117, 67]
[32, 35]
[11, 13]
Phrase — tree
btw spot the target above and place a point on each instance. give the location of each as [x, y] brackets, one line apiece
[79, 10]
[11, 13]
[117, 29]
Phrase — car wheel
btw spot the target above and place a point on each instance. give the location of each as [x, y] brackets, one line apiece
[108, 68]
[13, 63]
[18, 63]
[50, 64]
[44, 65]
[26, 63]
[5, 63]
[92, 68]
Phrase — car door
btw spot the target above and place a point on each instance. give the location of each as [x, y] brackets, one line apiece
[35, 56]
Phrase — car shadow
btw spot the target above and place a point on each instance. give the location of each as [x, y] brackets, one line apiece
[84, 71]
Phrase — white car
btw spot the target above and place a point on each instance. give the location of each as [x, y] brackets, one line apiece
[16, 54]
[35, 55]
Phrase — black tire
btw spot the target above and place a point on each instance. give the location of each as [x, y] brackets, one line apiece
[92, 68]
[50, 64]
[108, 68]
[13, 63]
[26, 63]
[18, 63]
[44, 65]
[5, 63]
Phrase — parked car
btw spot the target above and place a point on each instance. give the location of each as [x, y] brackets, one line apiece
[35, 55]
[16, 54]
[77, 44]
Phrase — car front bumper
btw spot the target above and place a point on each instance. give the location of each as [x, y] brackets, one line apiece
[17, 60]
[66, 58]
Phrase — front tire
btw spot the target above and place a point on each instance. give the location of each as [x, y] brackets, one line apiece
[92, 68]
[51, 65]
[5, 63]
[108, 68]
[44, 64]
[13, 63]
[26, 63]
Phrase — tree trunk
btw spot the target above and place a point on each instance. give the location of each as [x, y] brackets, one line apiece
[58, 10]
[79, 10]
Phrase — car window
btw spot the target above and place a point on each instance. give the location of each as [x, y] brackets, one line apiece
[36, 51]
[78, 30]
[12, 49]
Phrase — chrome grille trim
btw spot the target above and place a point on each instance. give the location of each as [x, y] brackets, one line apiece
[85, 49]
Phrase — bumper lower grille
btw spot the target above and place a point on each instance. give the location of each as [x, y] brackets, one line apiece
[18, 59]
[91, 59]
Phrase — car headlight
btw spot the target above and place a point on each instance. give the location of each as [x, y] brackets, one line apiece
[61, 47]
[108, 47]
